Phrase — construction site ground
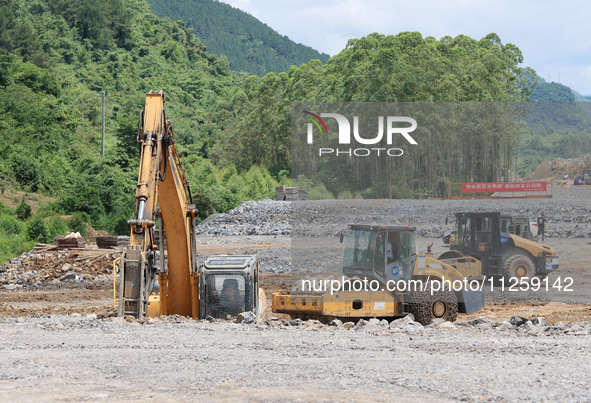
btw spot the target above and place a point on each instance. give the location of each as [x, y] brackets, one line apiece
[97, 297]
[59, 340]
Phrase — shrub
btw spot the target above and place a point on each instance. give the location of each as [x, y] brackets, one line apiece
[56, 226]
[37, 231]
[10, 225]
[23, 211]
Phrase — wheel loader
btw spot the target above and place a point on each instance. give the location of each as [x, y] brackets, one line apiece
[517, 224]
[384, 277]
[483, 245]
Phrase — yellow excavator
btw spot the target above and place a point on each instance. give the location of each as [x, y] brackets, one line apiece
[156, 280]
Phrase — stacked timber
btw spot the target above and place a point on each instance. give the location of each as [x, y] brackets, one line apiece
[112, 242]
[70, 241]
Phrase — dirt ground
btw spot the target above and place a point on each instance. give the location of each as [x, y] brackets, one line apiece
[97, 298]
[57, 345]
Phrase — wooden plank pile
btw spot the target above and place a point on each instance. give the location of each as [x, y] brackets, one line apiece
[112, 242]
[70, 241]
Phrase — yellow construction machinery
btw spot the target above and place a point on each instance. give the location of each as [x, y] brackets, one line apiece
[384, 277]
[483, 245]
[163, 203]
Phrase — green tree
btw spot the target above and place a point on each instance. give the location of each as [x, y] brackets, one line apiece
[37, 231]
[23, 211]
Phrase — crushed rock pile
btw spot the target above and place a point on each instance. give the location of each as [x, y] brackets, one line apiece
[568, 218]
[568, 212]
[266, 217]
[35, 267]
[534, 326]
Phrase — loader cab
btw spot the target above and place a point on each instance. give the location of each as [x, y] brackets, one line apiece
[382, 253]
[477, 233]
[228, 286]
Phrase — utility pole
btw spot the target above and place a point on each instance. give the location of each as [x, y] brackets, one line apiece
[103, 94]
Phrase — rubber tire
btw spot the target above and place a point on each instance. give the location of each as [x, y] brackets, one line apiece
[512, 264]
[421, 304]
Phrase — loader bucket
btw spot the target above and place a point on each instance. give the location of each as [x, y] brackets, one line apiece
[470, 301]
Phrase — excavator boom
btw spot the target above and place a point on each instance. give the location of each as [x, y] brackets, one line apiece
[162, 195]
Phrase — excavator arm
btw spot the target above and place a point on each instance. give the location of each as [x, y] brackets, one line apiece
[162, 196]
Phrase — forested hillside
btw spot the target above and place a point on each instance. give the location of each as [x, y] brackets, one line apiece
[232, 131]
[558, 126]
[378, 68]
[55, 57]
[248, 44]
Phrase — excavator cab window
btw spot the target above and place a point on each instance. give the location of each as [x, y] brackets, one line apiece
[505, 224]
[227, 295]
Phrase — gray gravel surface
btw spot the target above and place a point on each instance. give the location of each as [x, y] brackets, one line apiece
[83, 358]
[568, 212]
[75, 357]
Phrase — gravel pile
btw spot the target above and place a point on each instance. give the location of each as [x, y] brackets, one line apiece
[568, 218]
[533, 326]
[265, 217]
[568, 212]
[556, 169]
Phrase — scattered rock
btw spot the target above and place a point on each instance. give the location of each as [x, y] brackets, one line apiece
[517, 320]
[70, 276]
[398, 323]
[504, 325]
[335, 322]
[245, 318]
[476, 322]
[313, 324]
[361, 323]
[347, 326]
[436, 322]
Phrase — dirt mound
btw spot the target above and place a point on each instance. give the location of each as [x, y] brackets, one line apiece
[92, 234]
[555, 170]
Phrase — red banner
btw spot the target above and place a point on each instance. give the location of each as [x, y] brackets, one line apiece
[487, 187]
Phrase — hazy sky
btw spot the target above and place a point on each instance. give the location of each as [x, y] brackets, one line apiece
[554, 36]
